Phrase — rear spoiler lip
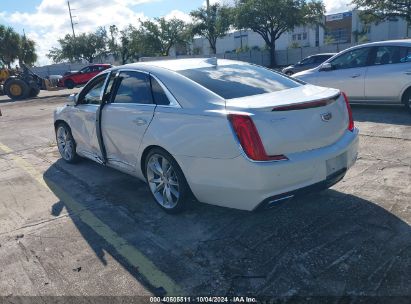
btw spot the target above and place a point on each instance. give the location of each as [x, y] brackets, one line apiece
[307, 104]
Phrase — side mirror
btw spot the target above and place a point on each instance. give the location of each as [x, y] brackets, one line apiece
[326, 67]
[72, 99]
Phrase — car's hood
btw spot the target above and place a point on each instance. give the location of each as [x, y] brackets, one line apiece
[289, 67]
[306, 72]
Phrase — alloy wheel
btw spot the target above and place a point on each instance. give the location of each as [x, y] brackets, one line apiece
[65, 143]
[163, 181]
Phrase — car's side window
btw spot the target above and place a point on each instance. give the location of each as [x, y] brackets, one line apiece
[91, 93]
[133, 87]
[321, 59]
[389, 55]
[85, 70]
[160, 97]
[308, 60]
[407, 57]
[110, 87]
[351, 59]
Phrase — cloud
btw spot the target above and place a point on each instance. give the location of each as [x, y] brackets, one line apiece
[51, 19]
[337, 6]
[179, 15]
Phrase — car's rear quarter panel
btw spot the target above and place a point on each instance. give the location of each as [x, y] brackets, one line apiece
[189, 133]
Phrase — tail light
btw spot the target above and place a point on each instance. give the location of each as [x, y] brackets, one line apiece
[249, 138]
[350, 119]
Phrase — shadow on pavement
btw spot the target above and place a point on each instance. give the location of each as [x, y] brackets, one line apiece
[327, 244]
[396, 114]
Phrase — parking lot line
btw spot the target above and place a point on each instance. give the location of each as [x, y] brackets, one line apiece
[133, 256]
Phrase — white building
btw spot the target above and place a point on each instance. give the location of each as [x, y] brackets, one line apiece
[234, 40]
[341, 28]
[347, 27]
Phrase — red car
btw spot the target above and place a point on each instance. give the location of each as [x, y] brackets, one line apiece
[72, 79]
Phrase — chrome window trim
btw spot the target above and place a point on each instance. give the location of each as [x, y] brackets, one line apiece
[104, 86]
[132, 103]
[173, 101]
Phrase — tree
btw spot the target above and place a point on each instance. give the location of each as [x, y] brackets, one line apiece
[84, 46]
[164, 34]
[272, 18]
[14, 47]
[9, 45]
[27, 51]
[141, 44]
[382, 10]
[212, 23]
[119, 44]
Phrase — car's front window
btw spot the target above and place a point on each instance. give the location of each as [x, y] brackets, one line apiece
[133, 87]
[239, 80]
[91, 93]
[351, 59]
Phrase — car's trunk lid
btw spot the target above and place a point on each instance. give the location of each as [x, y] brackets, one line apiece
[295, 120]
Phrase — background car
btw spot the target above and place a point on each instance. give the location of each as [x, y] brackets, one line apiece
[307, 63]
[230, 133]
[74, 78]
[378, 72]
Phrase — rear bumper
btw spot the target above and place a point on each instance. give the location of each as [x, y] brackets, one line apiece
[325, 184]
[242, 184]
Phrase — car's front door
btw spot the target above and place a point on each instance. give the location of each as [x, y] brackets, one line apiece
[388, 74]
[126, 117]
[84, 75]
[83, 118]
[347, 74]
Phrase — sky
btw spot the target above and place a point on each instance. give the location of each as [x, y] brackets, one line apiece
[45, 21]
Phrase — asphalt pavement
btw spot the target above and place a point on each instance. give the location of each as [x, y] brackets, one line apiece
[85, 229]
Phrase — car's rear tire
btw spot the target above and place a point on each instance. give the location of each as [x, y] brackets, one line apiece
[166, 181]
[69, 84]
[406, 100]
[66, 143]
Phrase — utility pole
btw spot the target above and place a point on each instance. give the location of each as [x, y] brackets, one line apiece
[71, 18]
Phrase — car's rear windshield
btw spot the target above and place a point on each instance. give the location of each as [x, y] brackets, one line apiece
[239, 80]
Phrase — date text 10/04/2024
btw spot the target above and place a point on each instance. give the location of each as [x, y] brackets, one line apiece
[200, 299]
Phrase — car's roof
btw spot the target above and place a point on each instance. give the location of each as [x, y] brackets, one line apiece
[324, 54]
[182, 64]
[399, 42]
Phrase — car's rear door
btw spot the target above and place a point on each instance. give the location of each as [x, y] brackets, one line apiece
[83, 118]
[388, 74]
[126, 117]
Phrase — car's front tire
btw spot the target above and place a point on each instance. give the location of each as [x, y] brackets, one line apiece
[166, 181]
[407, 100]
[65, 143]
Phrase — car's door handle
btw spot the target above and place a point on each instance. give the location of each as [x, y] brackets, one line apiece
[355, 75]
[140, 121]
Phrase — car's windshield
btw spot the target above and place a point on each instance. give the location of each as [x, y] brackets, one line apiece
[239, 80]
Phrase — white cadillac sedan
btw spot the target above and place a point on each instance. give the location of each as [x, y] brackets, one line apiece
[228, 133]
